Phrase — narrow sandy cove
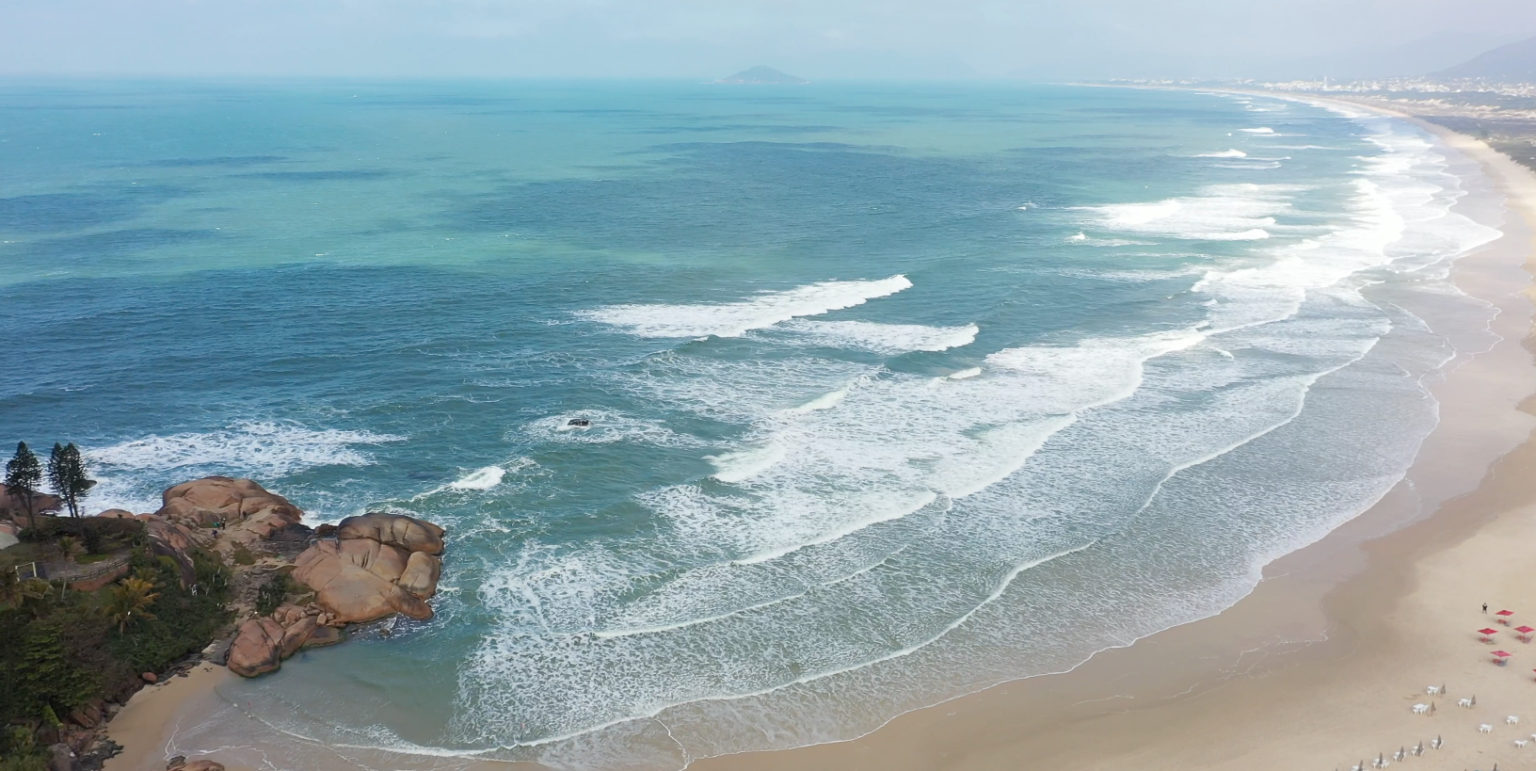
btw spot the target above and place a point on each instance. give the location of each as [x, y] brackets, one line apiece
[1319, 668]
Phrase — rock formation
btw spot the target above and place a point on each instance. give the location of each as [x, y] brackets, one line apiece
[257, 648]
[379, 565]
[369, 568]
[221, 500]
[16, 505]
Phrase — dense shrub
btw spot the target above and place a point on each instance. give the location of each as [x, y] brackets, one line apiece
[61, 652]
[272, 593]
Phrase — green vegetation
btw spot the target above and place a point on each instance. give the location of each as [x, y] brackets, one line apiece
[22, 475]
[60, 650]
[242, 556]
[66, 472]
[276, 590]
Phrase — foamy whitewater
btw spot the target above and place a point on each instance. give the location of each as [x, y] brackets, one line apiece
[886, 392]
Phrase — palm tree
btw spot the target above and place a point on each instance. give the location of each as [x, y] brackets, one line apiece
[148, 575]
[14, 591]
[130, 600]
[71, 547]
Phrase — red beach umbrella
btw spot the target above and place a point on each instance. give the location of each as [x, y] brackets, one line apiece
[1487, 634]
[1525, 633]
[1504, 616]
[1499, 656]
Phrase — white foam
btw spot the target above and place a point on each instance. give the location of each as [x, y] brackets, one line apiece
[741, 465]
[793, 554]
[607, 427]
[882, 338]
[1243, 212]
[1260, 130]
[737, 318]
[1234, 153]
[824, 402]
[479, 479]
[131, 474]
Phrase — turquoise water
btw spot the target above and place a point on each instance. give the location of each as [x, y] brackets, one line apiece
[895, 392]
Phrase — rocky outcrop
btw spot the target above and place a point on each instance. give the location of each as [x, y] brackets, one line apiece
[408, 533]
[262, 643]
[214, 500]
[169, 539]
[375, 566]
[380, 564]
[257, 648]
[102, 575]
[16, 505]
[325, 635]
[88, 715]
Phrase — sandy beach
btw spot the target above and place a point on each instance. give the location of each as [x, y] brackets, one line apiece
[1319, 668]
[1322, 665]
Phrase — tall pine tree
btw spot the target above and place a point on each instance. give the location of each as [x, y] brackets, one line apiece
[66, 472]
[23, 474]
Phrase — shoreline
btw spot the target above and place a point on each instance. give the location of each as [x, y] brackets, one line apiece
[1240, 689]
[1311, 618]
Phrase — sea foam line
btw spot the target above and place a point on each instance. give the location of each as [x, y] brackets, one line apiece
[737, 318]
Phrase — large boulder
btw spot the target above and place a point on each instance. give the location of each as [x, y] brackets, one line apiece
[356, 580]
[169, 539]
[211, 500]
[323, 636]
[379, 565]
[257, 648]
[405, 532]
[420, 575]
[296, 635]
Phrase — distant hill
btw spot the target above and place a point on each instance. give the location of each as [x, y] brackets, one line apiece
[761, 75]
[1515, 62]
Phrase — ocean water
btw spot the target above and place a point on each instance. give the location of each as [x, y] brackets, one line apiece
[896, 392]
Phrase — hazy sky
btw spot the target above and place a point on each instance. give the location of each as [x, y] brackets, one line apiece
[1044, 39]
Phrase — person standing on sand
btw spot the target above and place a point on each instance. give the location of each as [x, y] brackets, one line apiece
[1485, 607]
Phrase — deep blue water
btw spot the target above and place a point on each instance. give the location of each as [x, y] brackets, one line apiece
[887, 383]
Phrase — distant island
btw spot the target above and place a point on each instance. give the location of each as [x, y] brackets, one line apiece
[761, 75]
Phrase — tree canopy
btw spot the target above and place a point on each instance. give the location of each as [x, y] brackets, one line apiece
[23, 475]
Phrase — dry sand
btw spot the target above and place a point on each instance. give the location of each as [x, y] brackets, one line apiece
[1318, 669]
[146, 727]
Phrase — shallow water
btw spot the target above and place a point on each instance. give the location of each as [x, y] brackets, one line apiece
[895, 392]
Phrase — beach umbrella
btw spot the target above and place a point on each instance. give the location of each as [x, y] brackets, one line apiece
[1487, 634]
[1525, 633]
[1499, 656]
[1504, 616]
